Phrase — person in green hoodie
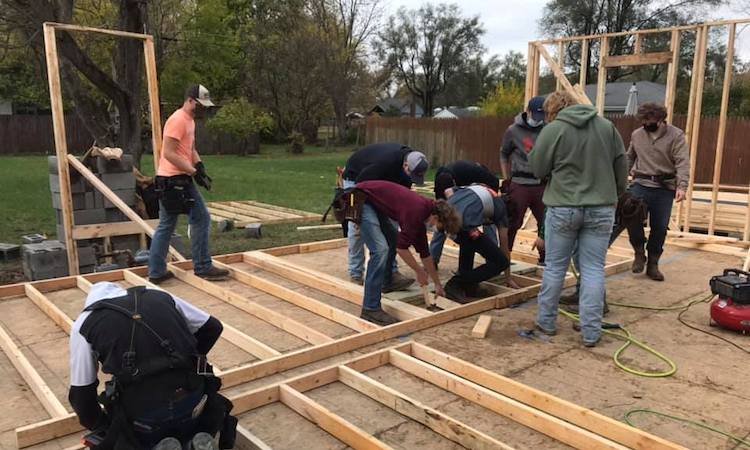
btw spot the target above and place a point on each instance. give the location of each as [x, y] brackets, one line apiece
[583, 157]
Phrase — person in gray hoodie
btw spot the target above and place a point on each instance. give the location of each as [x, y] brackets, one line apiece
[523, 189]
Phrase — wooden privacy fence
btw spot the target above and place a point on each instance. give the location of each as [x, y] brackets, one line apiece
[478, 139]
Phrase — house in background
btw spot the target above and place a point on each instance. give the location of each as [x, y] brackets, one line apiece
[397, 107]
[617, 93]
[453, 112]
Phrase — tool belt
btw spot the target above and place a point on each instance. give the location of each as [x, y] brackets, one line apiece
[527, 175]
[175, 193]
[661, 179]
[630, 211]
[347, 205]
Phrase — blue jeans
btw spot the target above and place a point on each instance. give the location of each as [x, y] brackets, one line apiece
[357, 246]
[380, 236]
[590, 228]
[659, 202]
[200, 227]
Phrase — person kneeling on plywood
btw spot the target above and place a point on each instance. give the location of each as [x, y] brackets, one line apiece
[163, 394]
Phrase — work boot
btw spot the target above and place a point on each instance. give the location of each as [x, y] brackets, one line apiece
[378, 317]
[640, 260]
[357, 279]
[652, 268]
[159, 280]
[398, 283]
[168, 443]
[214, 274]
[455, 291]
[203, 441]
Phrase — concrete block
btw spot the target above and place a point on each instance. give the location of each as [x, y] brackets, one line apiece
[83, 200]
[87, 269]
[118, 181]
[86, 216]
[126, 195]
[78, 184]
[33, 238]
[115, 215]
[44, 260]
[9, 252]
[106, 267]
[123, 165]
[86, 256]
[131, 242]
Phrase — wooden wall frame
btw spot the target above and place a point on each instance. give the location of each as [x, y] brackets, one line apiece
[64, 160]
[686, 214]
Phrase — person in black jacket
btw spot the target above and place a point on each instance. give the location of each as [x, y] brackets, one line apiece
[463, 173]
[392, 162]
[162, 393]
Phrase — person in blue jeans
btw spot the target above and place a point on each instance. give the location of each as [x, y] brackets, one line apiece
[583, 158]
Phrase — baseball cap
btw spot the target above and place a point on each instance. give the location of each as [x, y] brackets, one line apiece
[536, 108]
[200, 94]
[418, 165]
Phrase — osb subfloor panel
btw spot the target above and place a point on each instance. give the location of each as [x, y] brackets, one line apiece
[710, 384]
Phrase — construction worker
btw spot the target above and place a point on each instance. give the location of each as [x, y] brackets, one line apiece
[399, 221]
[162, 393]
[180, 168]
[463, 173]
[583, 156]
[525, 190]
[659, 162]
[392, 162]
[478, 205]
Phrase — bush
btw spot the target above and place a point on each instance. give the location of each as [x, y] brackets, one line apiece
[504, 101]
[242, 120]
[296, 142]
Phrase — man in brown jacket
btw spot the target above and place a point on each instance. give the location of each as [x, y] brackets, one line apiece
[660, 164]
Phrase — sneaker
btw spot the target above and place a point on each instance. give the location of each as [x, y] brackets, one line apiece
[168, 443]
[454, 291]
[398, 283]
[544, 330]
[214, 274]
[203, 441]
[159, 280]
[357, 279]
[378, 317]
[590, 344]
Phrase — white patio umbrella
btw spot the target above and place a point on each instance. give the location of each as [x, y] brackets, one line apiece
[631, 108]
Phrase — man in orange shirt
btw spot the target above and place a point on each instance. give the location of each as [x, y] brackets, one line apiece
[180, 168]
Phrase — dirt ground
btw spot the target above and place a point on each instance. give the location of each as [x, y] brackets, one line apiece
[707, 387]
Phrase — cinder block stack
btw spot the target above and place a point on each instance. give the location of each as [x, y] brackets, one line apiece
[42, 260]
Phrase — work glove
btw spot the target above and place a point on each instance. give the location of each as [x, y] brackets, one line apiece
[201, 177]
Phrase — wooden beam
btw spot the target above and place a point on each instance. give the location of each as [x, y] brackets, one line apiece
[47, 430]
[560, 61]
[50, 309]
[267, 315]
[571, 412]
[584, 63]
[270, 213]
[282, 209]
[561, 77]
[535, 74]
[308, 303]
[601, 84]
[152, 84]
[231, 209]
[638, 47]
[101, 230]
[61, 145]
[32, 378]
[482, 327]
[672, 72]
[116, 33]
[248, 441]
[525, 415]
[331, 285]
[433, 419]
[117, 201]
[694, 115]
[340, 428]
[722, 133]
[642, 59]
[83, 284]
[529, 74]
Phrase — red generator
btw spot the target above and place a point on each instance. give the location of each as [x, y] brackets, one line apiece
[731, 308]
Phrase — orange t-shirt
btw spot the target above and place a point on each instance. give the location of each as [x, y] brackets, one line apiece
[179, 126]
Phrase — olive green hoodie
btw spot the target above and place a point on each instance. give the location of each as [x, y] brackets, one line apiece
[584, 158]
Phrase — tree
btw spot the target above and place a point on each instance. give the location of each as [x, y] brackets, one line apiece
[505, 101]
[425, 48]
[243, 121]
[471, 83]
[513, 68]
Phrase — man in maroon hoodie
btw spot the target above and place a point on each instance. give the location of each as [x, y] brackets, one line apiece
[412, 212]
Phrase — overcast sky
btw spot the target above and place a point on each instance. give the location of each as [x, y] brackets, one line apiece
[510, 24]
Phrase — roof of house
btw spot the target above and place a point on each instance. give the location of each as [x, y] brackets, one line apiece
[454, 113]
[401, 104]
[616, 94]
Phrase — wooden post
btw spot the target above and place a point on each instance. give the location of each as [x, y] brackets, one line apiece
[535, 75]
[560, 75]
[584, 63]
[699, 73]
[672, 72]
[153, 99]
[560, 60]
[601, 84]
[728, 72]
[638, 47]
[529, 73]
[61, 145]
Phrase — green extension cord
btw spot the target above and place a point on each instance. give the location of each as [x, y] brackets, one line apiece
[738, 440]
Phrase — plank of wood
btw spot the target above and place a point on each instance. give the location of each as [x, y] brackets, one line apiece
[117, 201]
[642, 59]
[601, 83]
[116, 33]
[438, 422]
[101, 230]
[47, 430]
[560, 61]
[32, 378]
[319, 246]
[329, 284]
[584, 62]
[571, 412]
[270, 213]
[218, 215]
[529, 73]
[246, 440]
[330, 226]
[267, 315]
[50, 309]
[83, 284]
[154, 106]
[337, 426]
[531, 417]
[282, 209]
[482, 327]
[562, 79]
[308, 303]
[229, 208]
[672, 72]
[61, 145]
